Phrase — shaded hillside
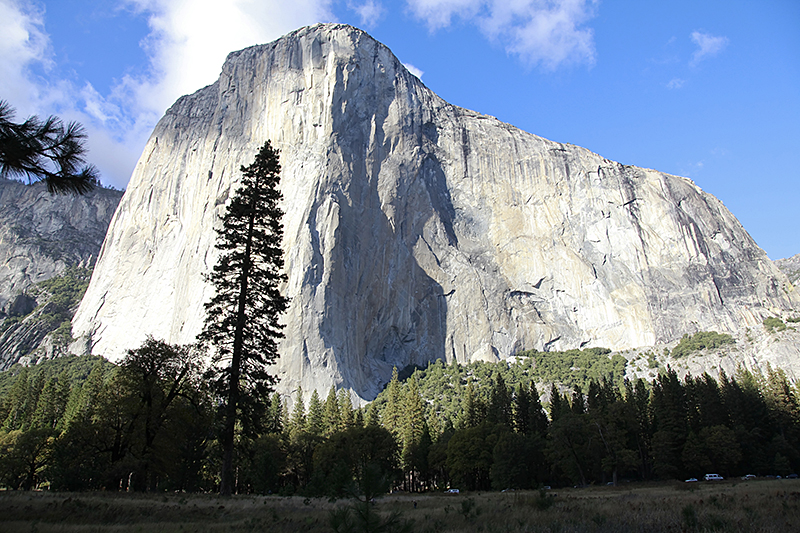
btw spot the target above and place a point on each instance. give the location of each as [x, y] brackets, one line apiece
[44, 332]
[45, 236]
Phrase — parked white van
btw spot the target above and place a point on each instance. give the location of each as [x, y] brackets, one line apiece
[713, 477]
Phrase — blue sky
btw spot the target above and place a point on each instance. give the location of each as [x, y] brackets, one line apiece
[704, 89]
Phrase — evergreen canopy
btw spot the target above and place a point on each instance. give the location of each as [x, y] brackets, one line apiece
[45, 150]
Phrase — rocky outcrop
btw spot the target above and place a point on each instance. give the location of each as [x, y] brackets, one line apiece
[414, 229]
[791, 267]
[41, 235]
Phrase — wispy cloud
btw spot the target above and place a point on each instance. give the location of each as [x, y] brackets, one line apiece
[675, 83]
[549, 33]
[691, 169]
[413, 70]
[707, 46]
[370, 11]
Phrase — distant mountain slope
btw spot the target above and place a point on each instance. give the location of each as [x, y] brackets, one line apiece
[41, 237]
[791, 267]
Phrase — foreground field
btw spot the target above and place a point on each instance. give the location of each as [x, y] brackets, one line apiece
[760, 505]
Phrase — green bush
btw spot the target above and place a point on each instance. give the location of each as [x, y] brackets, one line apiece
[773, 324]
[701, 341]
[67, 289]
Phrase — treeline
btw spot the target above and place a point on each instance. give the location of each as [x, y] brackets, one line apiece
[490, 430]
[152, 423]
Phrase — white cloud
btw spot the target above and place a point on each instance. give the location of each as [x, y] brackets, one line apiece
[189, 39]
[24, 44]
[370, 11]
[675, 83]
[186, 47]
[549, 33]
[707, 46]
[439, 13]
[414, 70]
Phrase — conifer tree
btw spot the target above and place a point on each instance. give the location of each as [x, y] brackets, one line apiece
[578, 405]
[286, 419]
[558, 404]
[393, 410]
[315, 423]
[274, 422]
[51, 404]
[637, 398]
[499, 409]
[412, 428]
[358, 418]
[45, 150]
[538, 418]
[372, 418]
[332, 416]
[18, 402]
[241, 326]
[345, 409]
[298, 421]
[522, 410]
[472, 412]
[669, 415]
[83, 398]
[783, 405]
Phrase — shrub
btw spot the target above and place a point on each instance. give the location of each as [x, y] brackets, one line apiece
[700, 341]
[773, 324]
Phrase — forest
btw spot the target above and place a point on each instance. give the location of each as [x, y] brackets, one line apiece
[152, 423]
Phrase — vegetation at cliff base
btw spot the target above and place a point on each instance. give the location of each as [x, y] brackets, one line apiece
[62, 294]
[700, 341]
[575, 367]
[55, 300]
[151, 424]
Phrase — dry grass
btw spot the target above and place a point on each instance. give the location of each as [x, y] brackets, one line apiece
[757, 506]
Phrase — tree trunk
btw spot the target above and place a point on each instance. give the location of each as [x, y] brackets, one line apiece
[226, 478]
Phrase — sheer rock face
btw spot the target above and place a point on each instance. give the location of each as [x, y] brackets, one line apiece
[41, 234]
[414, 229]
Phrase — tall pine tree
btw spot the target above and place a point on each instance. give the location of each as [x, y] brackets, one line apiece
[241, 324]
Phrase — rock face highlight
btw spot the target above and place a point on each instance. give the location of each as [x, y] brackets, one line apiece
[414, 229]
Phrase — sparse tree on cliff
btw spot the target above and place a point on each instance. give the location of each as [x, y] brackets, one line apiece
[241, 324]
[45, 151]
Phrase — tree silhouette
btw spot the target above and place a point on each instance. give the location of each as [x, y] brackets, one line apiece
[45, 151]
[241, 323]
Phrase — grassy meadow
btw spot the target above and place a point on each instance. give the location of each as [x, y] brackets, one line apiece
[758, 505]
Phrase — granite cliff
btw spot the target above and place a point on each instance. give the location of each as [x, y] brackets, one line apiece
[414, 229]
